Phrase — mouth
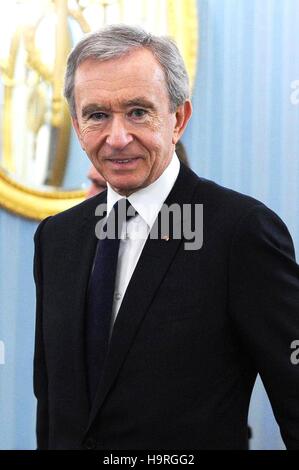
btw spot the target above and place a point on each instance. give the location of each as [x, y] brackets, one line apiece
[123, 162]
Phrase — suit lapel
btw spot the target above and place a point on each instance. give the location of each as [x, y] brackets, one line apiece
[139, 295]
[81, 255]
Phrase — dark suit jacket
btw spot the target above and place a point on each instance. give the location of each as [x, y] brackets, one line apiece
[193, 331]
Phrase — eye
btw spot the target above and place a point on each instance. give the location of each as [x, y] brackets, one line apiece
[98, 116]
[138, 113]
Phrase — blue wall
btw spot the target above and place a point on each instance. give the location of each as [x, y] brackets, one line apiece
[244, 134]
[17, 311]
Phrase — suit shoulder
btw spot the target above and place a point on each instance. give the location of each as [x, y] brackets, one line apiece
[224, 209]
[238, 213]
[72, 216]
[222, 198]
[221, 205]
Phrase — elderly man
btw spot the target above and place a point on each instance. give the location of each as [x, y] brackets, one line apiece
[145, 342]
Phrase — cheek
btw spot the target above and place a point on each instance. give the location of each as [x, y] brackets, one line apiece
[154, 132]
[89, 131]
[163, 130]
[155, 123]
[91, 137]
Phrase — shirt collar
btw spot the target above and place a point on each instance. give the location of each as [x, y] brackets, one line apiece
[148, 201]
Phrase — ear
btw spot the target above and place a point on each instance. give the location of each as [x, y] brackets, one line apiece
[182, 115]
[76, 127]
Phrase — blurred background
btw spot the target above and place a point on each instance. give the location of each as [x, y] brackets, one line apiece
[243, 60]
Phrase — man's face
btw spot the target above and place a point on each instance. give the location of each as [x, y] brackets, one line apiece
[124, 121]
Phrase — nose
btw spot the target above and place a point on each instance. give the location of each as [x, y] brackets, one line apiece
[118, 136]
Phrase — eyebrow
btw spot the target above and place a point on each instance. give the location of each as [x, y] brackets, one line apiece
[92, 108]
[138, 101]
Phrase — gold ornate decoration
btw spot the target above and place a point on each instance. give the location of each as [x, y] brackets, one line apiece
[32, 81]
[35, 204]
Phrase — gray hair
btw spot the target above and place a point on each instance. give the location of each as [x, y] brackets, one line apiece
[115, 41]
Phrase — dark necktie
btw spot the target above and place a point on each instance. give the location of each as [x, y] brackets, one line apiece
[100, 294]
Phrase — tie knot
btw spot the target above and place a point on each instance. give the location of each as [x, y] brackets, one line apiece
[121, 212]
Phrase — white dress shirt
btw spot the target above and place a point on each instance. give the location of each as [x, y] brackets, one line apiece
[147, 202]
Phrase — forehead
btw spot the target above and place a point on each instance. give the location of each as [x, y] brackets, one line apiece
[134, 72]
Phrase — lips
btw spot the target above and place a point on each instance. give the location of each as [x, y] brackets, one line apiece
[122, 160]
[124, 163]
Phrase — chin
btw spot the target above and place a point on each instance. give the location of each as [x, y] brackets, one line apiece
[124, 191]
[125, 187]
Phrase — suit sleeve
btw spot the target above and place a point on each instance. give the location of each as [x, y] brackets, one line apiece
[39, 366]
[264, 304]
